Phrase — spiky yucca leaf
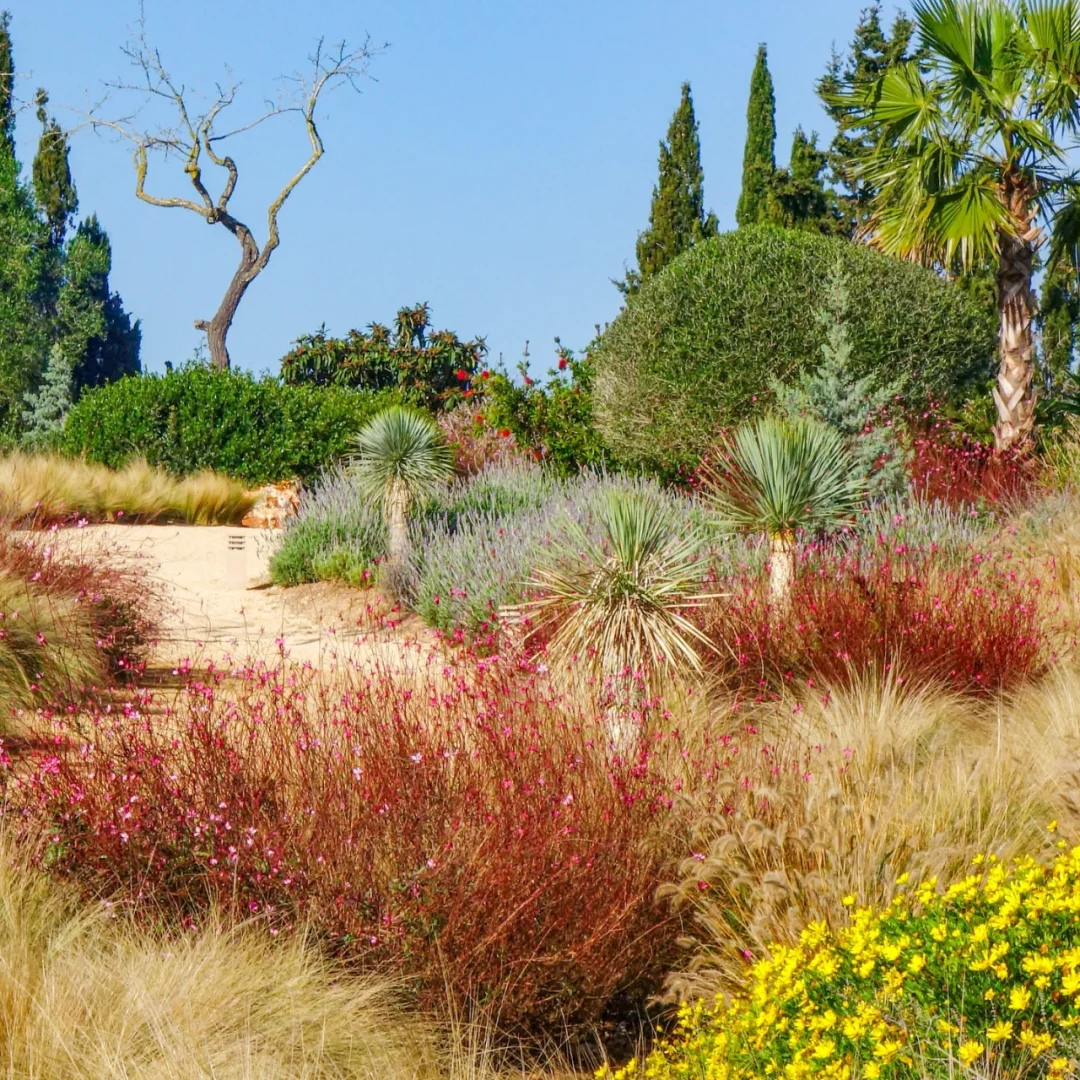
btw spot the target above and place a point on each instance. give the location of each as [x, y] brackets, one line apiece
[618, 605]
[400, 450]
[779, 475]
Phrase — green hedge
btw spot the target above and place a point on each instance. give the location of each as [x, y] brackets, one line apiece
[695, 349]
[256, 430]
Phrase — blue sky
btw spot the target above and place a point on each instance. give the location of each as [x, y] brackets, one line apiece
[500, 167]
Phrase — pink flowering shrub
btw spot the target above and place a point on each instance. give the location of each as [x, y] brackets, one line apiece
[947, 465]
[974, 625]
[471, 832]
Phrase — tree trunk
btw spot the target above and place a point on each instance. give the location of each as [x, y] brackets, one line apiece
[218, 327]
[1014, 394]
[781, 570]
[397, 524]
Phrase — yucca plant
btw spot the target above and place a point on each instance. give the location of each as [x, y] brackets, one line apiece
[617, 604]
[777, 476]
[401, 457]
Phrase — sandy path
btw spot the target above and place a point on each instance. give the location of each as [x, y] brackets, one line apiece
[210, 617]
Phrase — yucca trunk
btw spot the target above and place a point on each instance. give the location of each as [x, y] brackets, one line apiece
[397, 526]
[1014, 394]
[781, 569]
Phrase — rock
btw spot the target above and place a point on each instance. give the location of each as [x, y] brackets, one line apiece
[274, 505]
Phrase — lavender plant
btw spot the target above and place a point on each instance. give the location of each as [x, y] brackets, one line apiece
[336, 533]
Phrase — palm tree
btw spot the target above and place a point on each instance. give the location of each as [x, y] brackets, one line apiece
[966, 158]
[778, 476]
[401, 457]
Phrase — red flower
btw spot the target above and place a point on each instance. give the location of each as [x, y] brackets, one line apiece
[528, 381]
[479, 417]
[504, 432]
[485, 374]
[563, 363]
[462, 374]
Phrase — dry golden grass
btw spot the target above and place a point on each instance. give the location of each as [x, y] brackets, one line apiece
[84, 996]
[876, 781]
[48, 486]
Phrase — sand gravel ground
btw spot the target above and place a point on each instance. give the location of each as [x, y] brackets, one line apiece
[209, 617]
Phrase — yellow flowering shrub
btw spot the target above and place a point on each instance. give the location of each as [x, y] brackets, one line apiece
[980, 979]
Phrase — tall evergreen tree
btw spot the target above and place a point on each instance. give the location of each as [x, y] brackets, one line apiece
[91, 322]
[800, 190]
[53, 187]
[872, 51]
[757, 202]
[677, 218]
[24, 260]
[1059, 306]
[52, 292]
[7, 86]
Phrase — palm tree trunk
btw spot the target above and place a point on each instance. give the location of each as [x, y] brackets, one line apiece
[1014, 394]
[781, 569]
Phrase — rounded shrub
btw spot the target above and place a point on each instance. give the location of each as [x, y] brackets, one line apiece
[197, 418]
[694, 351]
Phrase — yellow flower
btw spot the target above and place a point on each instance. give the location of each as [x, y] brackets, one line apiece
[990, 994]
[1058, 1066]
[1037, 1044]
[901, 880]
[1000, 1031]
[871, 1070]
[848, 900]
[969, 1051]
[1052, 827]
[916, 964]
[1019, 998]
[1071, 983]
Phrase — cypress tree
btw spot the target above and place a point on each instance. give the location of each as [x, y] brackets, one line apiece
[92, 324]
[7, 86]
[53, 186]
[757, 201]
[677, 218]
[871, 53]
[800, 191]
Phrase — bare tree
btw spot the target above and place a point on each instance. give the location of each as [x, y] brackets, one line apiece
[194, 138]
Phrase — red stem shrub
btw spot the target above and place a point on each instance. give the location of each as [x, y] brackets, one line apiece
[974, 626]
[472, 833]
[950, 466]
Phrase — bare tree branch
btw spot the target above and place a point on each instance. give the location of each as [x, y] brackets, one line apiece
[190, 134]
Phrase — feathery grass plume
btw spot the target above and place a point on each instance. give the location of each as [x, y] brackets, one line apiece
[777, 476]
[401, 457]
[49, 486]
[618, 604]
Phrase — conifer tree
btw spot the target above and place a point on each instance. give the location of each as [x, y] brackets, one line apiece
[1059, 310]
[872, 51]
[800, 190]
[849, 404]
[46, 409]
[91, 321]
[7, 87]
[757, 203]
[53, 187]
[677, 218]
